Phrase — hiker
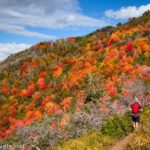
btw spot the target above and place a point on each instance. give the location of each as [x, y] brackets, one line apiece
[135, 109]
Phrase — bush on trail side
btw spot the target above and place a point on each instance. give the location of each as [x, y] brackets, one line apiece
[114, 128]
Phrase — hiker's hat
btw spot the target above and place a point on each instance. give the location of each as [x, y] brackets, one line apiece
[136, 99]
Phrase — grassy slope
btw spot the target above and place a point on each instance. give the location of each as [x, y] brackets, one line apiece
[113, 129]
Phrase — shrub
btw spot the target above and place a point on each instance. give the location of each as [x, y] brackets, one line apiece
[82, 121]
[117, 126]
[114, 127]
[48, 131]
[91, 141]
[40, 134]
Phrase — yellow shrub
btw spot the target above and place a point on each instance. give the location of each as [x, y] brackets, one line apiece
[91, 141]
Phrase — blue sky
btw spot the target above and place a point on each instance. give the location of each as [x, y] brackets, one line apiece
[27, 22]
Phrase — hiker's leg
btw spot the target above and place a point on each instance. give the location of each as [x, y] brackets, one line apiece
[134, 122]
[133, 125]
[136, 125]
[137, 122]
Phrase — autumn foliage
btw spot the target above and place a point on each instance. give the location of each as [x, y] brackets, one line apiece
[52, 77]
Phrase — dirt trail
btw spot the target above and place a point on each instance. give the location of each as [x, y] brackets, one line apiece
[121, 144]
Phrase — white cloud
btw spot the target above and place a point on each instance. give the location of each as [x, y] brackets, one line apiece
[9, 48]
[127, 12]
[20, 30]
[17, 15]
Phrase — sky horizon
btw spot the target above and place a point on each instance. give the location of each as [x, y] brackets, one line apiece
[25, 23]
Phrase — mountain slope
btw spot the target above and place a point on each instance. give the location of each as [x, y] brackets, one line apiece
[106, 67]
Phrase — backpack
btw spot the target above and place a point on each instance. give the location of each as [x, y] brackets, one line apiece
[135, 108]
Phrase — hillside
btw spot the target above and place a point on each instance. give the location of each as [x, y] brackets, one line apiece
[99, 72]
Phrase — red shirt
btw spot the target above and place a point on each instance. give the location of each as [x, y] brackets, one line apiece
[132, 106]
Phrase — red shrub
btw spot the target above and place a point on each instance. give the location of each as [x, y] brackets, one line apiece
[13, 91]
[129, 47]
[112, 91]
[24, 93]
[41, 84]
[54, 125]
